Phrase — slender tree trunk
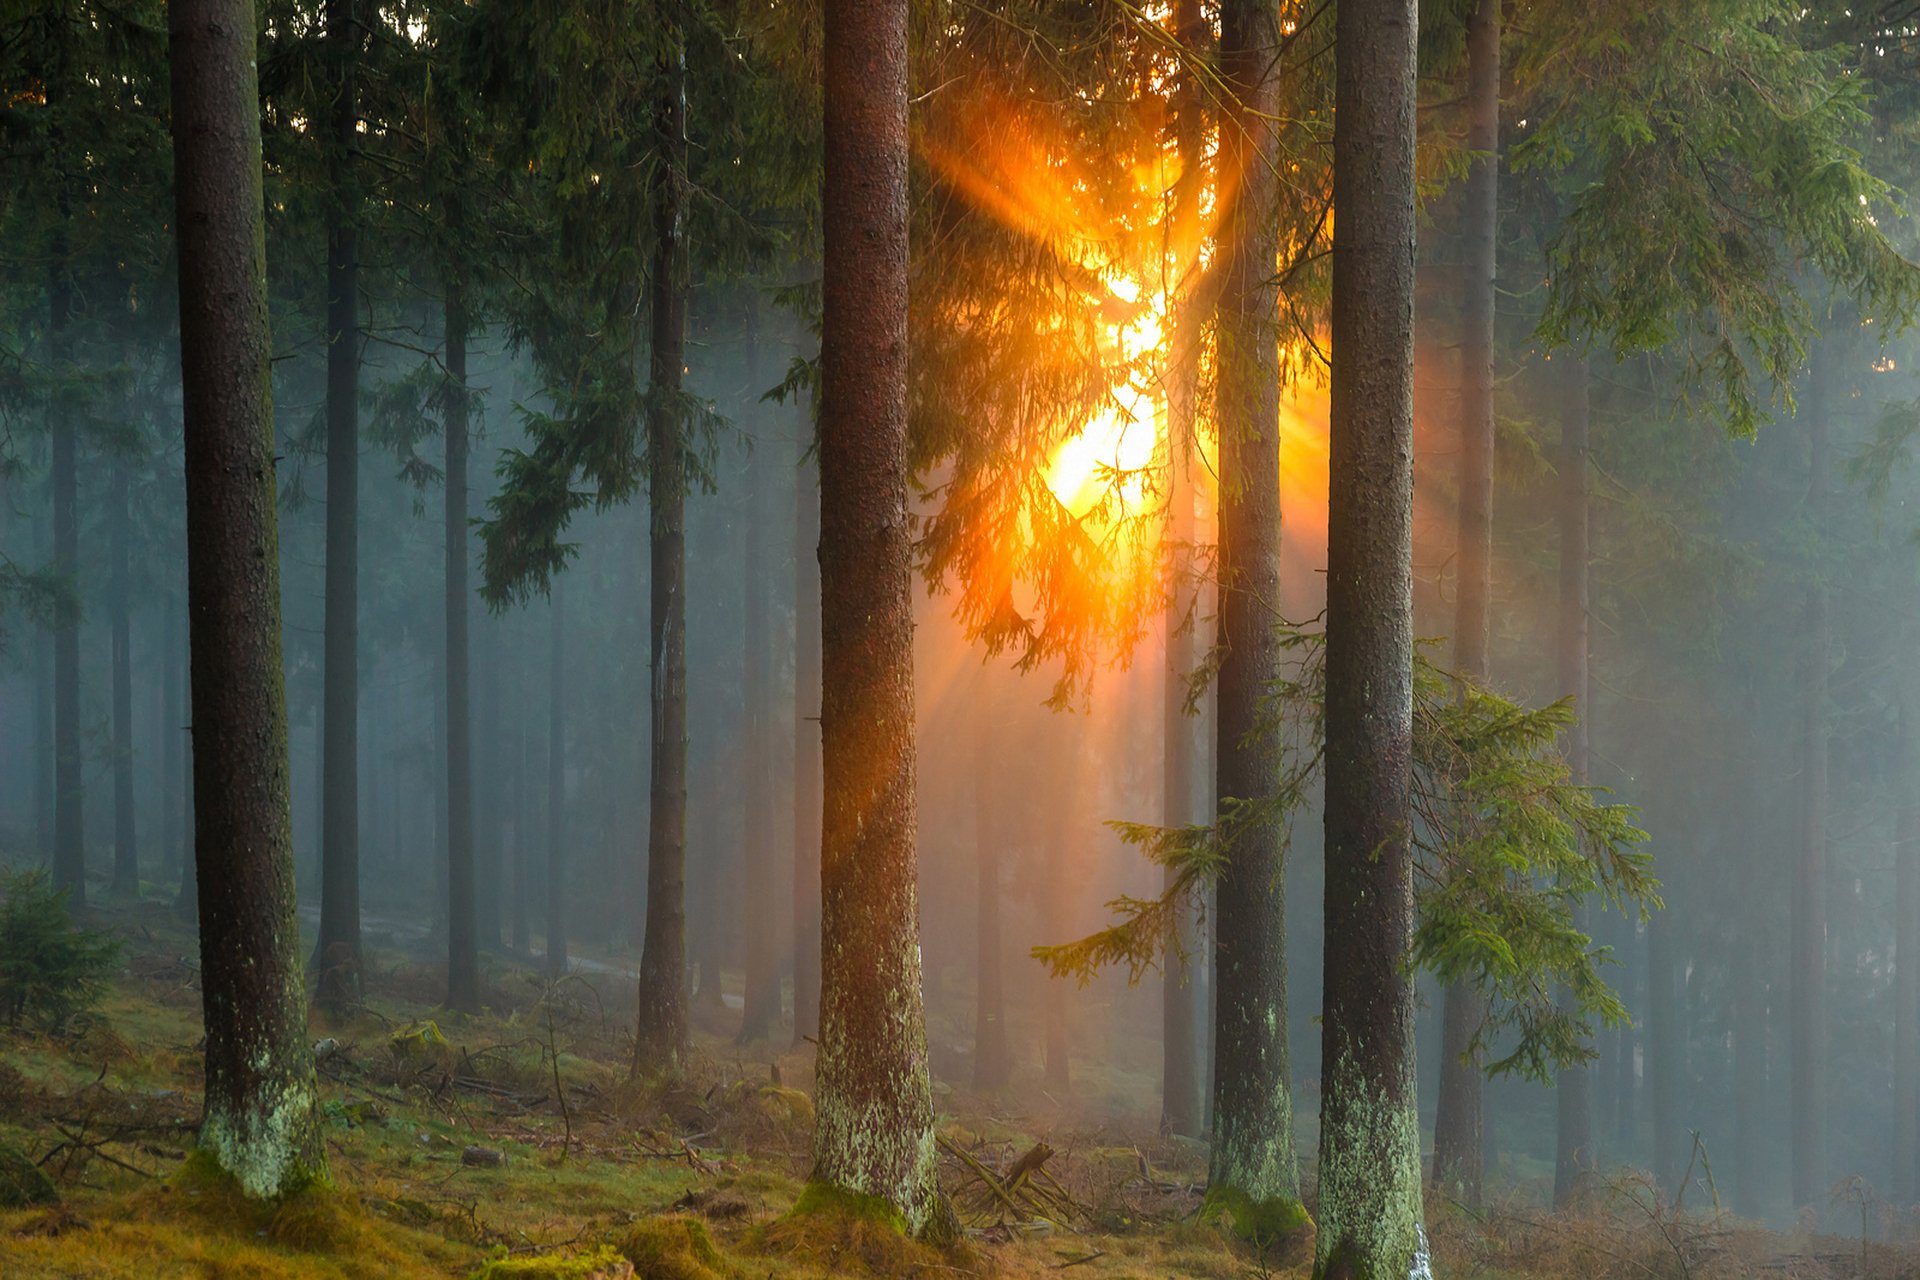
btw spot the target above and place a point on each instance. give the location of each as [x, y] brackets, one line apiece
[806, 747]
[1809, 1038]
[557, 787]
[46, 752]
[338, 950]
[1906, 979]
[660, 1038]
[126, 851]
[1253, 1149]
[761, 1014]
[992, 1059]
[522, 792]
[1370, 1211]
[69, 785]
[1459, 1123]
[1180, 1081]
[463, 964]
[260, 1123]
[1573, 1097]
[875, 1132]
[487, 808]
[173, 731]
[186, 902]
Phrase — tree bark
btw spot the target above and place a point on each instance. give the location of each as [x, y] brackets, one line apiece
[660, 1038]
[1253, 1148]
[806, 747]
[1574, 1157]
[126, 851]
[1459, 1122]
[463, 963]
[1809, 1038]
[338, 951]
[875, 1136]
[260, 1123]
[1370, 1196]
[557, 786]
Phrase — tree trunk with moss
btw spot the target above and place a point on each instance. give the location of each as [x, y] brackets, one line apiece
[1253, 1153]
[1370, 1199]
[874, 1137]
[660, 1038]
[260, 1125]
[1459, 1121]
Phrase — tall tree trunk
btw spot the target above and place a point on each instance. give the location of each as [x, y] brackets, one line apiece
[69, 785]
[186, 903]
[1809, 1038]
[338, 948]
[45, 751]
[1459, 1122]
[126, 851]
[761, 1014]
[1574, 1159]
[260, 1123]
[1906, 974]
[875, 1132]
[1253, 1149]
[463, 964]
[557, 786]
[992, 1059]
[1181, 1107]
[806, 745]
[173, 733]
[1370, 1211]
[487, 808]
[660, 1038]
[522, 792]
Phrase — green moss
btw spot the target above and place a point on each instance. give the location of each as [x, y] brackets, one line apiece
[1260, 1221]
[825, 1198]
[22, 1182]
[605, 1261]
[673, 1248]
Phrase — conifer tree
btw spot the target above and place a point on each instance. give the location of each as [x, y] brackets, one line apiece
[874, 1138]
[1370, 1224]
[261, 1123]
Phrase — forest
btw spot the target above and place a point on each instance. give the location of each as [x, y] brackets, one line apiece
[704, 639]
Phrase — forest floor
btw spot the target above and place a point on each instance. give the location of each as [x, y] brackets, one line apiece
[514, 1141]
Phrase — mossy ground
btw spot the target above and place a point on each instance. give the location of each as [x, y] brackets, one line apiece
[696, 1182]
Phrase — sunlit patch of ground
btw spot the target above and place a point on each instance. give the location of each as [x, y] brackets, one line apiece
[686, 1183]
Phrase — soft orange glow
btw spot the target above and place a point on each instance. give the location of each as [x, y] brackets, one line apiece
[1111, 455]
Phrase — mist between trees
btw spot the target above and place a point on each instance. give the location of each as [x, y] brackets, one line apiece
[1342, 594]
